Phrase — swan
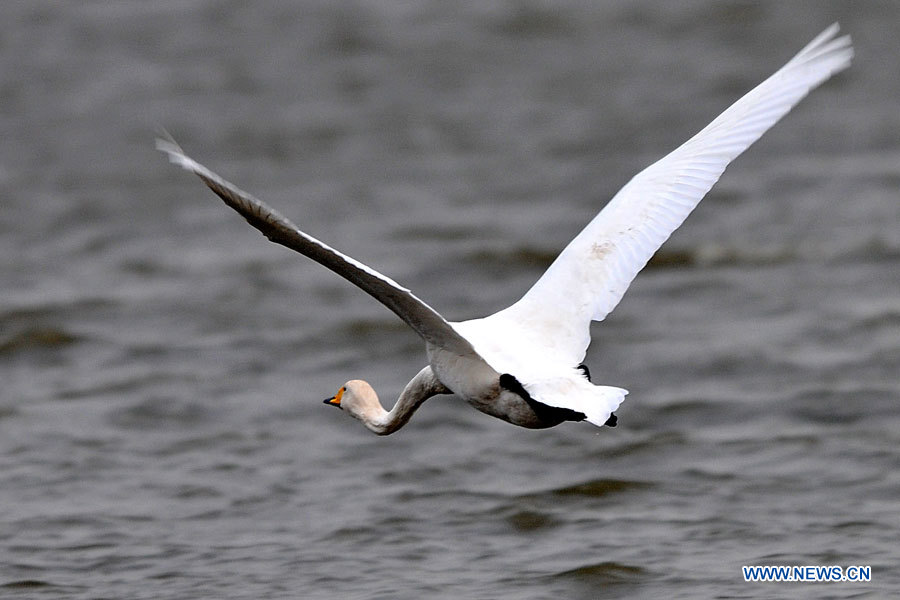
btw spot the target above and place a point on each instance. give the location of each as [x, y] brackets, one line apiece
[523, 364]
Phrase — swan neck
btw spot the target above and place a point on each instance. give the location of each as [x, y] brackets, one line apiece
[422, 387]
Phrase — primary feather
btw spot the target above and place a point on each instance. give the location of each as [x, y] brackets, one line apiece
[590, 276]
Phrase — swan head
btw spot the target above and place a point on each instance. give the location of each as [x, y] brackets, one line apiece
[359, 399]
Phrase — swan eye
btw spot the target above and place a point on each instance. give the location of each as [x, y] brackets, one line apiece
[336, 400]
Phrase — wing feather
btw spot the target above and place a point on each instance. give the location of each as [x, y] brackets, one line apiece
[590, 276]
[423, 319]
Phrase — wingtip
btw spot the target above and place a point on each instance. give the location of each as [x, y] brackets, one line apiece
[840, 49]
[828, 34]
[826, 55]
[166, 143]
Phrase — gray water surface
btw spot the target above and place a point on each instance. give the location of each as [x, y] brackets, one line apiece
[162, 366]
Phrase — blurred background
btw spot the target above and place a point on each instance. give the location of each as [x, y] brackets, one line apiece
[162, 366]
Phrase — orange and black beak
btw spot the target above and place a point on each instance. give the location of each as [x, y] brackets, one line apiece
[336, 399]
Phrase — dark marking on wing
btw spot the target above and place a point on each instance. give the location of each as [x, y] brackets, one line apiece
[549, 414]
[584, 369]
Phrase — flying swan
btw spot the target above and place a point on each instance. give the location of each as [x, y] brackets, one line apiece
[524, 363]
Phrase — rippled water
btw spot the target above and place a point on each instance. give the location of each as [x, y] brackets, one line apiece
[162, 366]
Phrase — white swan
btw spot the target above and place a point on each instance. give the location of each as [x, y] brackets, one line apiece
[523, 364]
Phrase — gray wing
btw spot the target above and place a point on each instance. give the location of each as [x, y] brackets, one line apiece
[424, 320]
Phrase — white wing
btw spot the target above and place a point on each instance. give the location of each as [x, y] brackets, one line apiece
[591, 274]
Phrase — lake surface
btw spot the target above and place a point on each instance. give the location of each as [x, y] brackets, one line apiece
[162, 366]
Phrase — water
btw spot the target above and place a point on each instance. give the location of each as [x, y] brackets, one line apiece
[162, 366]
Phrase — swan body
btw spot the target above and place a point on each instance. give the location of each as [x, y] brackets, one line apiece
[524, 363]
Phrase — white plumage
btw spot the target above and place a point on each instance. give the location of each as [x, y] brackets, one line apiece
[540, 340]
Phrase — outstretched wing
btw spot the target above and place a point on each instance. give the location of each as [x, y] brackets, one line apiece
[591, 274]
[430, 325]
